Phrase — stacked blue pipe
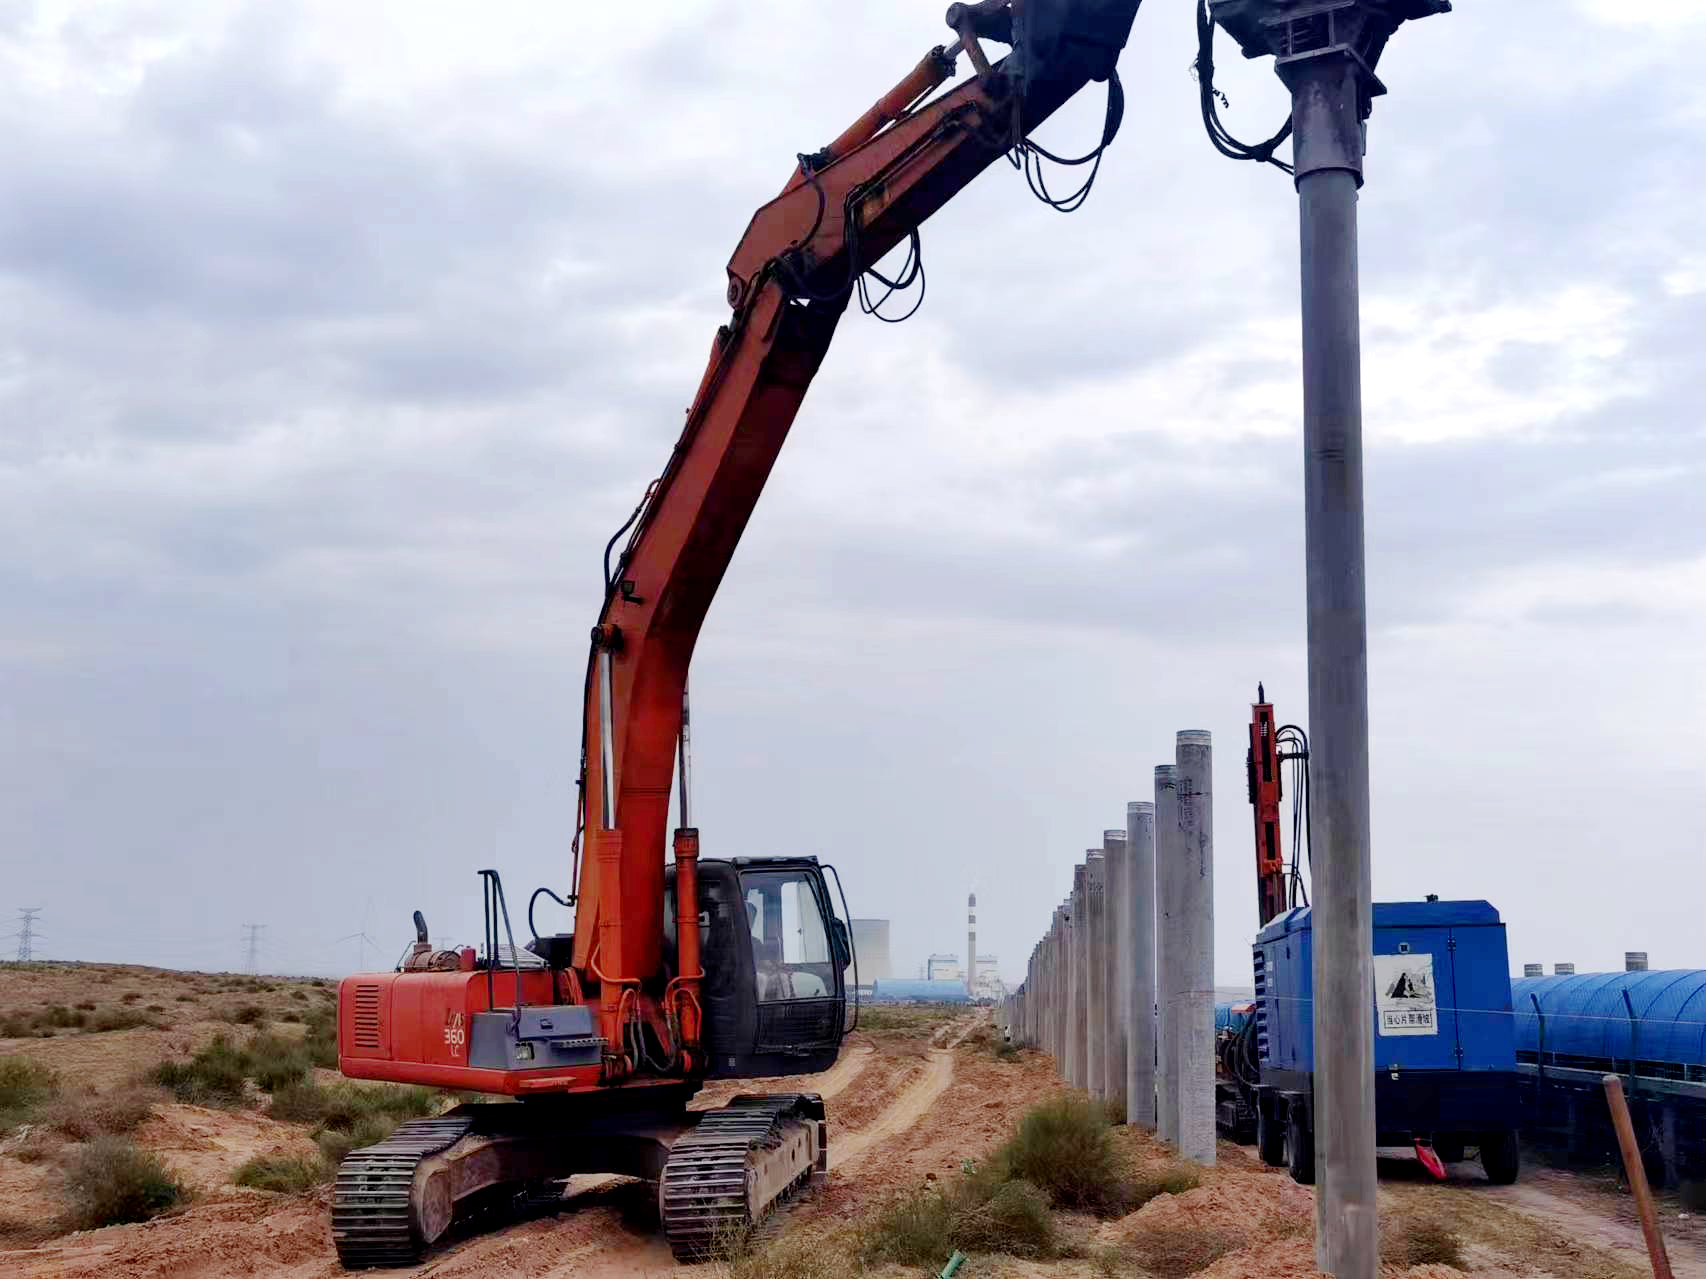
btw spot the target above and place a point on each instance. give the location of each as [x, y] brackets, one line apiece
[933, 992]
[1588, 1024]
[1231, 1014]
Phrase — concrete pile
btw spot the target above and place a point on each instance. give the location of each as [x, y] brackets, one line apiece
[1120, 990]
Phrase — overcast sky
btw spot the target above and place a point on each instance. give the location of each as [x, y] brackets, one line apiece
[336, 339]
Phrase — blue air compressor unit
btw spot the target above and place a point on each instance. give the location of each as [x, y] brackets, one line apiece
[1444, 1051]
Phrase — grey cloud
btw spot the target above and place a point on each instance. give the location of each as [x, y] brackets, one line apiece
[315, 414]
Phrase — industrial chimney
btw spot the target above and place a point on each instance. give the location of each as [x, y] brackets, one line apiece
[1563, 970]
[1634, 961]
[1534, 970]
[971, 945]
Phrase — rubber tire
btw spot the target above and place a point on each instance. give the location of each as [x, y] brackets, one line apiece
[1501, 1157]
[1449, 1146]
[1270, 1136]
[1299, 1146]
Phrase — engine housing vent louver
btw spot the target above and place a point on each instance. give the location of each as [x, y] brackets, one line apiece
[367, 1017]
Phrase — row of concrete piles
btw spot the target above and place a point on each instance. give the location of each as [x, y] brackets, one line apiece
[1120, 991]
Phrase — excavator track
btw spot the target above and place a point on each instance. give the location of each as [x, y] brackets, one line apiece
[374, 1220]
[725, 1177]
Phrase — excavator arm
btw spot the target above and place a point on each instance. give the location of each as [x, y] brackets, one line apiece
[789, 280]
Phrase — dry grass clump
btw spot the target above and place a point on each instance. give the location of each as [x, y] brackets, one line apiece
[111, 1181]
[25, 1086]
[1174, 1251]
[213, 1077]
[1419, 1239]
[797, 1254]
[1065, 1148]
[286, 1174]
[48, 1020]
[89, 1115]
[972, 1214]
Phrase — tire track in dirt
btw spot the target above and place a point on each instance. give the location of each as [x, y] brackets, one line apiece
[911, 1105]
[833, 1082]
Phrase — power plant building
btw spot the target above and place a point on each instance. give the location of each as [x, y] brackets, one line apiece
[944, 968]
[871, 946]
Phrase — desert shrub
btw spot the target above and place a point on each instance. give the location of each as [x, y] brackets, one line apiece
[61, 1017]
[17, 1026]
[351, 1116]
[288, 1174]
[1014, 1220]
[1419, 1241]
[911, 1229]
[335, 1143]
[348, 1104]
[111, 1181]
[321, 1039]
[1005, 1050]
[275, 1061]
[291, 1015]
[25, 1086]
[86, 1007]
[91, 1115]
[156, 1008]
[300, 995]
[213, 1077]
[130, 998]
[1065, 1148]
[972, 1213]
[186, 999]
[301, 1102]
[245, 1015]
[1174, 1251]
[794, 1255]
[119, 1019]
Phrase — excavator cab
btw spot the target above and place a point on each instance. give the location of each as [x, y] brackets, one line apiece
[777, 960]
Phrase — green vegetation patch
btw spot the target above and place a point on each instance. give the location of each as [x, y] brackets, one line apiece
[25, 1086]
[286, 1174]
[111, 1181]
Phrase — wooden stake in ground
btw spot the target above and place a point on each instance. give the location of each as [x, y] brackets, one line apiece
[1637, 1176]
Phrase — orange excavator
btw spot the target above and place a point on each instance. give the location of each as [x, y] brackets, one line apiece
[678, 973]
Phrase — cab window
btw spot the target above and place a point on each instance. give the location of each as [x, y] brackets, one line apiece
[790, 940]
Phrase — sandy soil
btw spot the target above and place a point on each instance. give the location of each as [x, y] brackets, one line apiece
[605, 1231]
[909, 1107]
[1605, 1217]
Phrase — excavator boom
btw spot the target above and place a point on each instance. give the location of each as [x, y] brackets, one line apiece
[731, 967]
[789, 280]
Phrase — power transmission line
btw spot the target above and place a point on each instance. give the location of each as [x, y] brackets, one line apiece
[27, 932]
[254, 931]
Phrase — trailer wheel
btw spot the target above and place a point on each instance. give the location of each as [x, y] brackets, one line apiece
[1299, 1145]
[1270, 1135]
[1500, 1157]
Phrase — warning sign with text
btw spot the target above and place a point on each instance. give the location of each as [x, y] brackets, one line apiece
[1404, 1000]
